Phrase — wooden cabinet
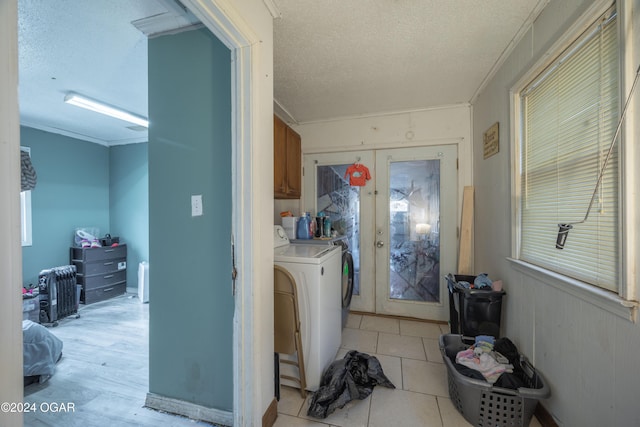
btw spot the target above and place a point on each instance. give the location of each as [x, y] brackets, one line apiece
[102, 272]
[287, 161]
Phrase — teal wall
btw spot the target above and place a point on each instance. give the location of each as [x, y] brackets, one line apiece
[82, 184]
[191, 314]
[72, 191]
[129, 203]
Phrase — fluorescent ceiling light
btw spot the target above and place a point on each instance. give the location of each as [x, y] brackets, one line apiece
[99, 107]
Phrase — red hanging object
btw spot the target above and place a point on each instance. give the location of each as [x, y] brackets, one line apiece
[358, 175]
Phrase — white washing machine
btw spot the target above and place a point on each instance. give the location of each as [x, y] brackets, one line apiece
[316, 270]
[346, 269]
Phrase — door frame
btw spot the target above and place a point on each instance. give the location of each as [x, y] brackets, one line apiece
[448, 156]
[369, 195]
[232, 31]
[222, 19]
[10, 248]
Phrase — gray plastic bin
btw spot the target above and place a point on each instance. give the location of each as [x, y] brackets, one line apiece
[473, 312]
[482, 404]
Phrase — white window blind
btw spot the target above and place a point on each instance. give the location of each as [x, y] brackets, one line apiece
[569, 116]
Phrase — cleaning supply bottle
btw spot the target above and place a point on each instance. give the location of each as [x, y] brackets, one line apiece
[327, 226]
[319, 226]
[312, 225]
[304, 228]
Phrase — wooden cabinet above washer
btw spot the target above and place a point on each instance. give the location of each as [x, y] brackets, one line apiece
[287, 161]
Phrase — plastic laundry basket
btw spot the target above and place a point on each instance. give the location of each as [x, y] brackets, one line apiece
[484, 405]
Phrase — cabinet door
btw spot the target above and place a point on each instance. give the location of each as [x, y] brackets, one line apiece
[294, 164]
[279, 158]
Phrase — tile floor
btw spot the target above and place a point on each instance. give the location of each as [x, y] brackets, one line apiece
[409, 355]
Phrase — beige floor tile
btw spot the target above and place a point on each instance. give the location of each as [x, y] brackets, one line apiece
[341, 353]
[284, 420]
[358, 339]
[397, 345]
[450, 415]
[353, 321]
[534, 422]
[392, 368]
[353, 414]
[419, 329]
[410, 358]
[399, 408]
[290, 401]
[432, 348]
[380, 324]
[425, 377]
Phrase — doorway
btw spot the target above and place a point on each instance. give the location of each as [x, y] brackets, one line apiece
[248, 127]
[401, 225]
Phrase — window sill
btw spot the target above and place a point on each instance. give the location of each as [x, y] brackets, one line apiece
[598, 297]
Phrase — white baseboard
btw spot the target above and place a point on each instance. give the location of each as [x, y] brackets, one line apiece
[188, 409]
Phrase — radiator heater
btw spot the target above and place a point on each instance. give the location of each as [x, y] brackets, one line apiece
[58, 294]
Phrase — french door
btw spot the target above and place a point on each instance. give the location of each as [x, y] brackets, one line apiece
[401, 224]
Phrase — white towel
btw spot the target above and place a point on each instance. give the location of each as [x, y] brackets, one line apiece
[485, 364]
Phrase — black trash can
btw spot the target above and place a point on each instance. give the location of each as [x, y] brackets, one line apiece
[473, 312]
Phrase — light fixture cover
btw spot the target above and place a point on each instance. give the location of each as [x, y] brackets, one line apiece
[102, 108]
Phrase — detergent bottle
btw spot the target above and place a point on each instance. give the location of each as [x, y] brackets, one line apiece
[304, 230]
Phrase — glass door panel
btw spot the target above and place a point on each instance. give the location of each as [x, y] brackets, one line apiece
[416, 220]
[414, 214]
[351, 209]
[340, 202]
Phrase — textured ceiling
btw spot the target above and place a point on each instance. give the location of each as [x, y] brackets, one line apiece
[88, 47]
[337, 58]
[332, 58]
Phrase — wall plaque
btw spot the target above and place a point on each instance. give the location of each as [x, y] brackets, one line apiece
[491, 141]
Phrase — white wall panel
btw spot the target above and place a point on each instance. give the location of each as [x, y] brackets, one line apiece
[436, 126]
[588, 355]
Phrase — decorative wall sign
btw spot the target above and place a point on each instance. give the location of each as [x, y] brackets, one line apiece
[491, 141]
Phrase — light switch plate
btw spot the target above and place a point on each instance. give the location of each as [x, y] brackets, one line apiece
[196, 205]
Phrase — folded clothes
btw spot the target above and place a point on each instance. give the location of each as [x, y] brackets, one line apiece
[484, 344]
[486, 338]
[485, 363]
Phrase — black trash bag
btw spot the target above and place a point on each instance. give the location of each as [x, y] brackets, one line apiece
[352, 377]
[508, 349]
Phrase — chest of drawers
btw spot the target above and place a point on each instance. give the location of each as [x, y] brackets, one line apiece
[102, 272]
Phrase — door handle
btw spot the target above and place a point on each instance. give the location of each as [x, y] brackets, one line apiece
[379, 243]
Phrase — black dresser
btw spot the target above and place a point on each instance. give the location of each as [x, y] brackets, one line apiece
[102, 272]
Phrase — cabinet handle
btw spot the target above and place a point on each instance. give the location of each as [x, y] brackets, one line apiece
[109, 250]
[109, 276]
[108, 263]
[108, 289]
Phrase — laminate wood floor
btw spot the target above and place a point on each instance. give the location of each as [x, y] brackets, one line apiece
[103, 374]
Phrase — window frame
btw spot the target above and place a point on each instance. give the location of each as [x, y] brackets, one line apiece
[624, 302]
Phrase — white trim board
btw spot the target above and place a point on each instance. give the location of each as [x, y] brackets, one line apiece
[188, 409]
